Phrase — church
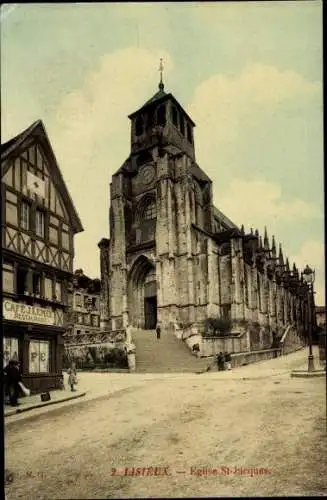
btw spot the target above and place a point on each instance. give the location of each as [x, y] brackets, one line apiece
[172, 256]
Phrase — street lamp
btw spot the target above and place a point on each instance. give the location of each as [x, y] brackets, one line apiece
[309, 278]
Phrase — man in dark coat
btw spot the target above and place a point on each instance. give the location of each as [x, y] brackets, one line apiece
[221, 362]
[158, 331]
[13, 376]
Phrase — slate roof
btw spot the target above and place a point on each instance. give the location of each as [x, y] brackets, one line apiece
[37, 131]
[161, 95]
[198, 173]
[222, 217]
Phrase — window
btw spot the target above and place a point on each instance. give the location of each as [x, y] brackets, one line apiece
[22, 285]
[150, 118]
[53, 235]
[161, 116]
[25, 216]
[11, 211]
[58, 291]
[39, 223]
[8, 277]
[80, 319]
[149, 211]
[78, 332]
[189, 133]
[139, 126]
[246, 286]
[87, 319]
[48, 293]
[226, 311]
[78, 300]
[259, 292]
[36, 284]
[174, 116]
[65, 240]
[10, 349]
[182, 125]
[94, 303]
[94, 320]
[39, 356]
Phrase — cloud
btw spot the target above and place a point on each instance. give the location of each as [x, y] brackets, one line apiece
[313, 253]
[89, 122]
[257, 202]
[226, 106]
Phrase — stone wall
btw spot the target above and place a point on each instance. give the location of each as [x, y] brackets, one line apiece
[211, 346]
[246, 358]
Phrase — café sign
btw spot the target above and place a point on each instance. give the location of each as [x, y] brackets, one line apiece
[17, 311]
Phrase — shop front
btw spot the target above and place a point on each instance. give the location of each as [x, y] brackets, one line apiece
[31, 335]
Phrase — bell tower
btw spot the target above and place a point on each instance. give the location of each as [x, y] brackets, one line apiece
[160, 122]
[152, 208]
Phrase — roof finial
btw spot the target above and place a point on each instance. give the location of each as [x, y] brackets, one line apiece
[161, 85]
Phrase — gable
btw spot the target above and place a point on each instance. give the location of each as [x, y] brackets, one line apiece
[30, 166]
[31, 174]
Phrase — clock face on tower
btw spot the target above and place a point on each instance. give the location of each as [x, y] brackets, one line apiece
[147, 174]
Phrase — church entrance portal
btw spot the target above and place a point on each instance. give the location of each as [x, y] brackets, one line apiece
[150, 313]
[142, 294]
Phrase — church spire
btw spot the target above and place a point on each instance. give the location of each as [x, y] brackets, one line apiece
[161, 85]
[281, 257]
[266, 240]
[273, 248]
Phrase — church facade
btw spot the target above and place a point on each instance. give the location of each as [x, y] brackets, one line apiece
[172, 256]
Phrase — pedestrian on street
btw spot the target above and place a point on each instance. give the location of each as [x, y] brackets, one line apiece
[158, 331]
[220, 362]
[13, 377]
[228, 361]
[72, 377]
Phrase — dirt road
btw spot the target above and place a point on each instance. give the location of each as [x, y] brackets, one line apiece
[198, 430]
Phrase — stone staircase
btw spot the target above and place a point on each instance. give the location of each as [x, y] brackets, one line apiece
[166, 355]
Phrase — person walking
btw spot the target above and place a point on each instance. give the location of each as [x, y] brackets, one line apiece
[220, 362]
[13, 378]
[72, 377]
[158, 331]
[228, 361]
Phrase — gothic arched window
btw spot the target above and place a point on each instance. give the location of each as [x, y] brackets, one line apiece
[150, 211]
[174, 116]
[189, 133]
[259, 292]
[161, 115]
[139, 126]
[182, 125]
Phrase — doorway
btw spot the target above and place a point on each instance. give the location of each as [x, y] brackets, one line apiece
[150, 313]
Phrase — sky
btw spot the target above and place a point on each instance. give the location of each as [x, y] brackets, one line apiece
[249, 74]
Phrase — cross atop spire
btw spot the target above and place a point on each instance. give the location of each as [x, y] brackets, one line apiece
[161, 85]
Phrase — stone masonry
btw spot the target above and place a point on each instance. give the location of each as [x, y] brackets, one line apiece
[173, 257]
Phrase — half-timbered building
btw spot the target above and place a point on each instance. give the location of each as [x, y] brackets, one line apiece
[39, 222]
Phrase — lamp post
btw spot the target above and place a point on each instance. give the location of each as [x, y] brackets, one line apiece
[309, 278]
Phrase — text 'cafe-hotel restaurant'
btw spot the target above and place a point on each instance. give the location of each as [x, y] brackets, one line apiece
[39, 222]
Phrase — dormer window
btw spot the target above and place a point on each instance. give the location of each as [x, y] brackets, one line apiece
[174, 116]
[139, 126]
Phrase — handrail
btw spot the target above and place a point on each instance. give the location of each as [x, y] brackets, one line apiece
[285, 333]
